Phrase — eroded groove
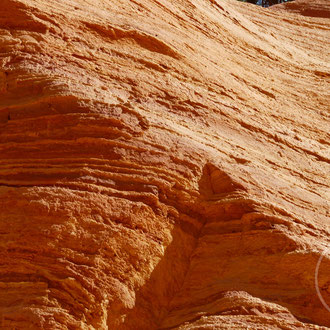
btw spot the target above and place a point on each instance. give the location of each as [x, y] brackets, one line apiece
[144, 40]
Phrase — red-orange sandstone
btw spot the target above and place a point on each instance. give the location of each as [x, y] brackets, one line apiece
[164, 164]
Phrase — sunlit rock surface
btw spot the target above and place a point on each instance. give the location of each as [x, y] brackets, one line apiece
[164, 164]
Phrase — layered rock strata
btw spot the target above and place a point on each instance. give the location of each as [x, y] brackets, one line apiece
[164, 164]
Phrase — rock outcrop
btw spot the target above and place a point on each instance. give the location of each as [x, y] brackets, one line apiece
[320, 8]
[164, 164]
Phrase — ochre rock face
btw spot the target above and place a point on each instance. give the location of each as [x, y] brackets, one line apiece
[164, 164]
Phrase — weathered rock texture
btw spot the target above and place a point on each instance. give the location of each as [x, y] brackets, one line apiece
[164, 164]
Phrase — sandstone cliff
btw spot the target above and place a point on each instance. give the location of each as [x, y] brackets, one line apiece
[164, 164]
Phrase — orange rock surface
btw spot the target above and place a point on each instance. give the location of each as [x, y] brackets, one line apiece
[164, 164]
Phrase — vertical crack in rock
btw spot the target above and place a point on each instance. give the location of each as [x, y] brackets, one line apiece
[217, 276]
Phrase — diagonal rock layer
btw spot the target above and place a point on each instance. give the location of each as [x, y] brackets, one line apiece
[164, 165]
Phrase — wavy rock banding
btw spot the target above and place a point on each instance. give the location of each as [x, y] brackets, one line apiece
[163, 164]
